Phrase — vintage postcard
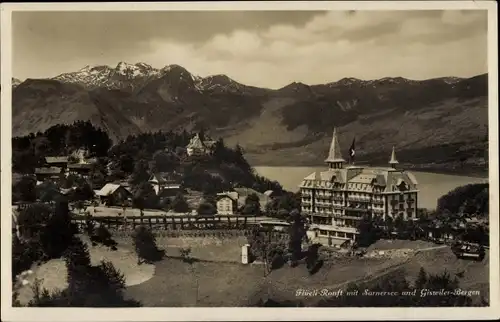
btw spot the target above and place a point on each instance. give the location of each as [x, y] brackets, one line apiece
[249, 161]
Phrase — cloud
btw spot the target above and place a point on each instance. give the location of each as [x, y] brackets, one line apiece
[324, 47]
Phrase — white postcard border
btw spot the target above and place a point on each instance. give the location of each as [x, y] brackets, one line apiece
[245, 314]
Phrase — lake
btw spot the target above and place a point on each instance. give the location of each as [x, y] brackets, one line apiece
[431, 185]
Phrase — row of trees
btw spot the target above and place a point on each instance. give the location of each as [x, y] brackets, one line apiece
[29, 151]
[27, 190]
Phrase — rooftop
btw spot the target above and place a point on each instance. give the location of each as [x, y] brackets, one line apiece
[58, 159]
[109, 188]
[48, 170]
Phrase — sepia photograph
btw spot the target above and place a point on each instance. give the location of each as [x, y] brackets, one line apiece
[250, 156]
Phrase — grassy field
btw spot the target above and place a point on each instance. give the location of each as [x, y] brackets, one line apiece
[218, 278]
[232, 284]
[227, 284]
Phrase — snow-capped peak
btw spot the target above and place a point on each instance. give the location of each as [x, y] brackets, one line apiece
[129, 76]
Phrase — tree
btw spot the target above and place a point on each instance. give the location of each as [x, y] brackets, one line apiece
[252, 205]
[312, 258]
[179, 204]
[140, 173]
[367, 232]
[103, 236]
[281, 206]
[259, 247]
[24, 254]
[145, 245]
[206, 209]
[454, 200]
[24, 190]
[82, 192]
[296, 233]
[145, 197]
[48, 192]
[59, 232]
[32, 219]
[421, 279]
[88, 286]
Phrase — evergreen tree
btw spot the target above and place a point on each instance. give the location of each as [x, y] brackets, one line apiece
[421, 279]
[145, 245]
[59, 231]
[297, 232]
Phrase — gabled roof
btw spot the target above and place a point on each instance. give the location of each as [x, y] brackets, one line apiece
[232, 195]
[80, 166]
[388, 178]
[165, 177]
[48, 170]
[59, 159]
[109, 188]
[196, 143]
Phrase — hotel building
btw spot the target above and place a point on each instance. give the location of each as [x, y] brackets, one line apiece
[337, 199]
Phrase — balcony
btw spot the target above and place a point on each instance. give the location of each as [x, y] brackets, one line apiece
[359, 199]
[377, 202]
[347, 217]
[357, 209]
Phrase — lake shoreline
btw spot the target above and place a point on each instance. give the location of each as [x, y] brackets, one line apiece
[476, 173]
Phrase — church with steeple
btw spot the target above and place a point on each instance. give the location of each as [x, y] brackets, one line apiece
[335, 200]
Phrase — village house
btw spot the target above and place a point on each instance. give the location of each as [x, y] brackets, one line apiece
[81, 169]
[337, 199]
[52, 173]
[230, 202]
[166, 184]
[114, 194]
[199, 146]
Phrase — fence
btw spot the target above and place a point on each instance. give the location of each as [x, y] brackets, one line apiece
[215, 234]
[172, 222]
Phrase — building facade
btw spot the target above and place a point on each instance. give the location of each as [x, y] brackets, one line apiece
[166, 184]
[227, 203]
[231, 202]
[336, 200]
[200, 146]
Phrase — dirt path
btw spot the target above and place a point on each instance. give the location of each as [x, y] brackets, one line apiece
[369, 278]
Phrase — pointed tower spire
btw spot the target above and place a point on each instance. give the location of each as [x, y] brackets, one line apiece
[393, 162]
[335, 160]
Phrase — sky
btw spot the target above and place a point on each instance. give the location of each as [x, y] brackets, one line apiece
[259, 48]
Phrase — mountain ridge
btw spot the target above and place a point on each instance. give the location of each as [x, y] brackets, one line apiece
[271, 124]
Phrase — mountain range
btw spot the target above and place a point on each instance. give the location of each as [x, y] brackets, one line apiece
[447, 117]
